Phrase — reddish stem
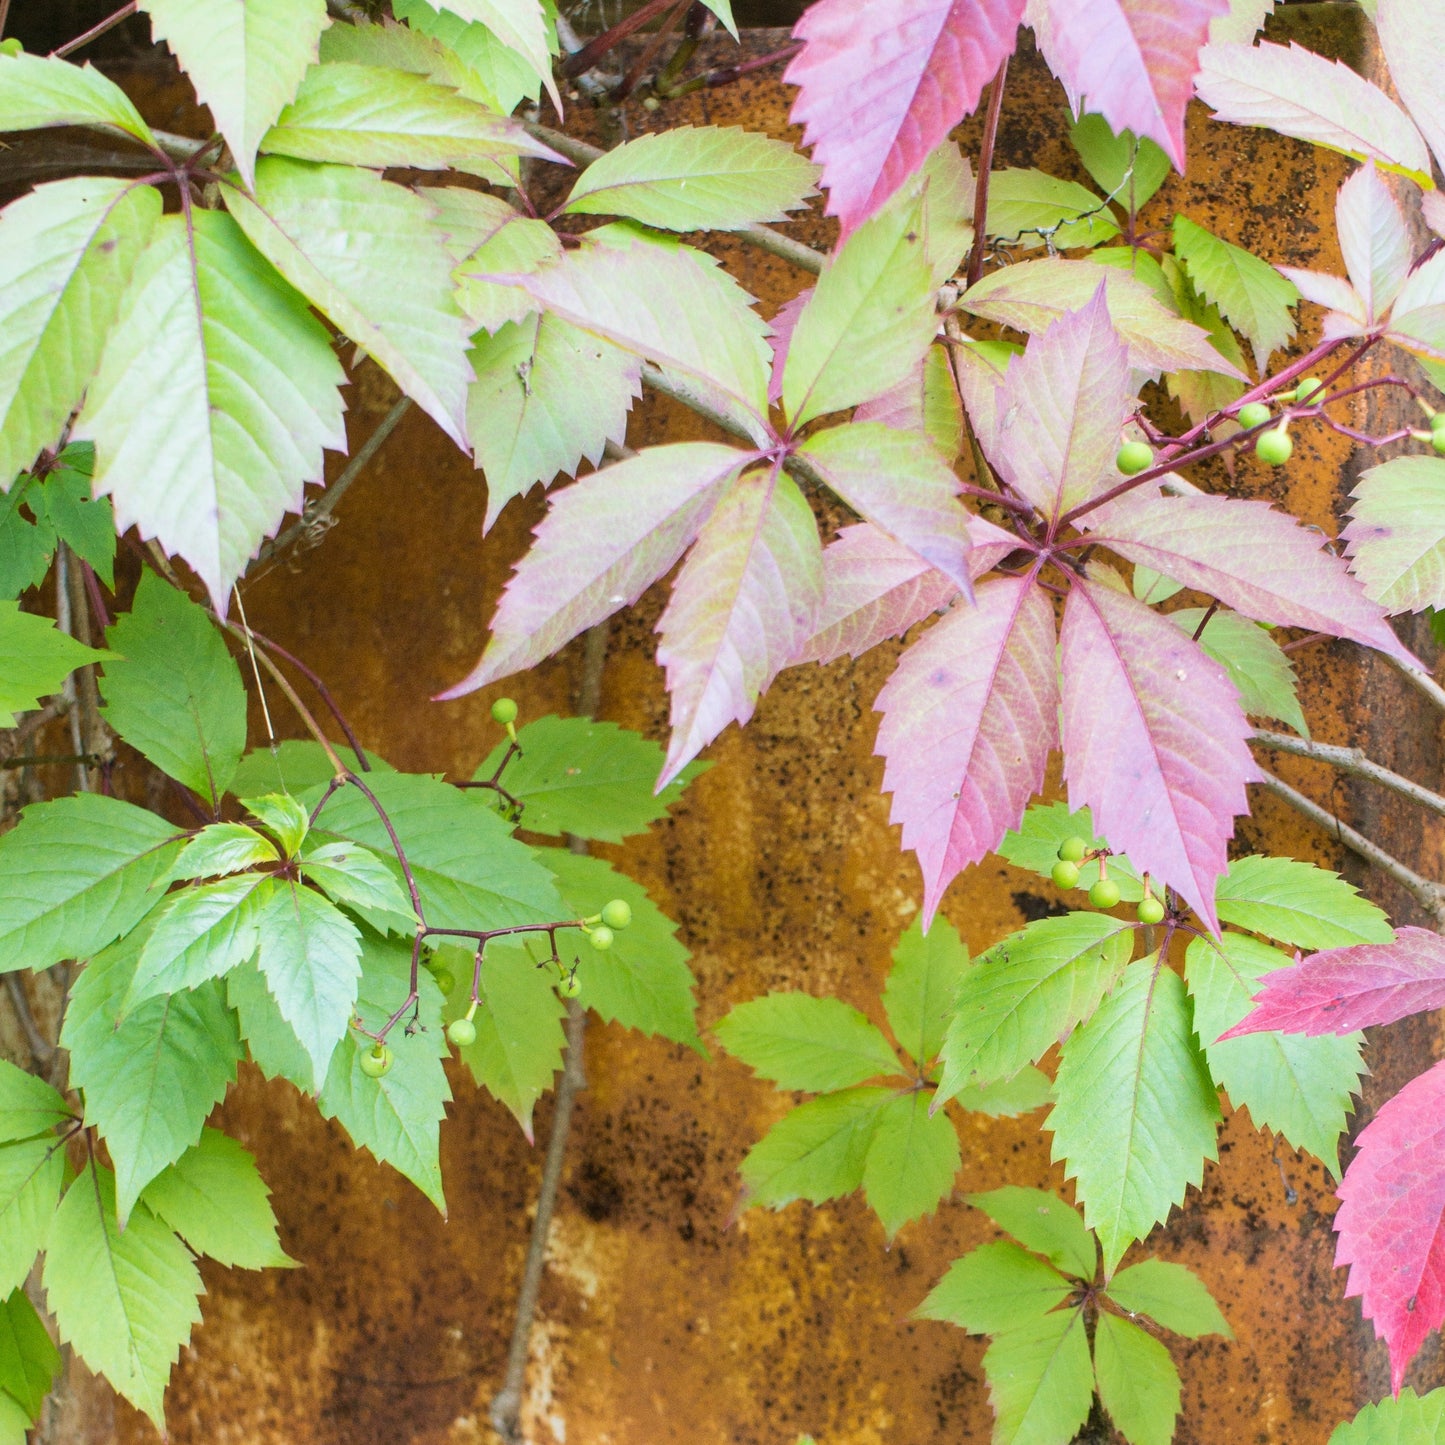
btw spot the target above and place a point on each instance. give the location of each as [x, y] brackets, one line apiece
[599, 46]
[985, 164]
[94, 33]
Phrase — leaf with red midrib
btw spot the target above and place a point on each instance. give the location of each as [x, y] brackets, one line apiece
[883, 83]
[1344, 989]
[1391, 1219]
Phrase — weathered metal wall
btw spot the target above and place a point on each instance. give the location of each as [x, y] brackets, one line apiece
[660, 1322]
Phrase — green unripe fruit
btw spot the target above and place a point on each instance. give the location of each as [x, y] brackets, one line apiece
[570, 986]
[1437, 422]
[376, 1062]
[617, 914]
[504, 711]
[1151, 910]
[1437, 440]
[462, 1032]
[1274, 446]
[1072, 850]
[1306, 390]
[1253, 414]
[600, 938]
[445, 980]
[1065, 874]
[1104, 893]
[1134, 457]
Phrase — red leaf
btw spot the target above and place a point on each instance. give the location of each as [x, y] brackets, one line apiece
[1154, 740]
[883, 83]
[1134, 60]
[1344, 989]
[968, 720]
[1391, 1219]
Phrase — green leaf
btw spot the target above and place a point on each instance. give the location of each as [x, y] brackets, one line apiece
[499, 76]
[1202, 393]
[1040, 1380]
[29, 1361]
[1171, 1296]
[1408, 1419]
[354, 876]
[1298, 1086]
[14, 1422]
[518, 25]
[87, 526]
[1253, 297]
[800, 1042]
[150, 1079]
[1035, 845]
[36, 92]
[519, 1028]
[79, 872]
[28, 1105]
[199, 934]
[213, 1196]
[26, 546]
[712, 178]
[1043, 1222]
[365, 253]
[918, 997]
[406, 48]
[270, 1040]
[309, 957]
[1026, 993]
[868, 323]
[913, 1158]
[35, 659]
[593, 779]
[1109, 158]
[1136, 1109]
[488, 238]
[1255, 662]
[289, 767]
[1138, 1384]
[245, 60]
[1029, 1089]
[173, 692]
[285, 817]
[546, 395]
[470, 870]
[993, 1288]
[66, 253]
[32, 1172]
[1031, 207]
[397, 1117]
[222, 848]
[643, 981]
[127, 1301]
[1154, 587]
[1298, 903]
[815, 1152]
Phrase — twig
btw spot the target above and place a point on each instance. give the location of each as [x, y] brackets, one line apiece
[14, 739]
[600, 46]
[322, 691]
[1352, 761]
[4, 14]
[1418, 678]
[95, 31]
[66, 621]
[1430, 896]
[724, 74]
[985, 164]
[41, 1049]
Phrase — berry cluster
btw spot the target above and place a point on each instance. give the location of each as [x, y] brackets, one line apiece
[1103, 892]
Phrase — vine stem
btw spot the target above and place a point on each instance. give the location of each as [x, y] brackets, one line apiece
[1352, 761]
[95, 31]
[4, 15]
[985, 165]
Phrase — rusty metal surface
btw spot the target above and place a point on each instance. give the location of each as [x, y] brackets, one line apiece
[658, 1321]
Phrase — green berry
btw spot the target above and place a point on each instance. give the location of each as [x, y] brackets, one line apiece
[462, 1032]
[1151, 910]
[1253, 414]
[617, 914]
[1437, 440]
[1437, 422]
[1065, 874]
[445, 980]
[504, 711]
[570, 986]
[1274, 446]
[1307, 388]
[1072, 850]
[1104, 893]
[376, 1061]
[1134, 457]
[600, 938]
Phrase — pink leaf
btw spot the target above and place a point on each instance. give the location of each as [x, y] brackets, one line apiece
[1134, 60]
[881, 84]
[1432, 207]
[1344, 989]
[875, 588]
[784, 322]
[1412, 35]
[898, 481]
[1391, 1219]
[1418, 321]
[1154, 740]
[1256, 560]
[604, 541]
[1060, 410]
[1333, 292]
[1374, 240]
[968, 720]
[742, 606]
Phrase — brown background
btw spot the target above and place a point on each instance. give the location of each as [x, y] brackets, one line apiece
[658, 1321]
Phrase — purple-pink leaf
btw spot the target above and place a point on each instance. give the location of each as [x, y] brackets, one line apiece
[1344, 989]
[1258, 561]
[1374, 240]
[1391, 1219]
[1418, 322]
[882, 84]
[784, 323]
[1154, 740]
[1134, 60]
[744, 603]
[604, 541]
[1345, 315]
[898, 481]
[1412, 35]
[969, 717]
[1060, 409]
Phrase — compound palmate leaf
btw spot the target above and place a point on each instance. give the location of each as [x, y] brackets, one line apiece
[801, 1042]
